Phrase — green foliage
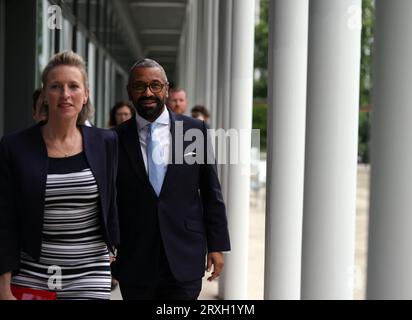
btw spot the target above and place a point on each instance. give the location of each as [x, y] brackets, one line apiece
[364, 136]
[261, 51]
[260, 122]
[261, 61]
[368, 19]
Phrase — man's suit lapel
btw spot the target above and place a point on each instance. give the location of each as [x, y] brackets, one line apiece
[169, 176]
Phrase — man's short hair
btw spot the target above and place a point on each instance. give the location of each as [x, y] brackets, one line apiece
[147, 63]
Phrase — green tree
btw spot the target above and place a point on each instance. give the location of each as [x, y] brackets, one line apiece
[260, 122]
[261, 51]
[368, 20]
[261, 60]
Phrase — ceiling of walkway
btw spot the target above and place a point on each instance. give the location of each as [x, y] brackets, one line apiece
[132, 29]
[158, 25]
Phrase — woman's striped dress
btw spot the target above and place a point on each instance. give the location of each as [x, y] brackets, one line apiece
[74, 259]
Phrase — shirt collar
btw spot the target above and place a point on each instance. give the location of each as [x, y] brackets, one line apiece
[162, 119]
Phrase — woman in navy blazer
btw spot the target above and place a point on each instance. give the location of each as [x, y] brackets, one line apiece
[58, 214]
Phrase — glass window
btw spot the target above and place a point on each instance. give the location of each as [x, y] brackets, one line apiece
[66, 36]
[81, 44]
[91, 71]
[107, 85]
[100, 88]
[45, 43]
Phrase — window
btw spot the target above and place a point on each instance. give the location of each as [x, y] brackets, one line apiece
[66, 35]
[91, 70]
[81, 44]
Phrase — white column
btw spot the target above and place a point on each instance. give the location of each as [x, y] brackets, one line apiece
[200, 55]
[328, 246]
[390, 237]
[214, 21]
[192, 62]
[241, 100]
[208, 50]
[183, 55]
[225, 33]
[288, 40]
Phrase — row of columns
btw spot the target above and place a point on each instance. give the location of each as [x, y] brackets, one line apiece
[198, 55]
[314, 65]
[329, 184]
[221, 55]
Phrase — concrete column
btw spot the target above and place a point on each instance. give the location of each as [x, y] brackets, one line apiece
[208, 50]
[215, 15]
[328, 246]
[390, 237]
[200, 55]
[241, 100]
[288, 40]
[211, 26]
[182, 56]
[191, 69]
[225, 33]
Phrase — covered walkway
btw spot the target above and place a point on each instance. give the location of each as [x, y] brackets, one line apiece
[314, 66]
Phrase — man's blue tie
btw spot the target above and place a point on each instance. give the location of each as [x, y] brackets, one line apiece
[155, 158]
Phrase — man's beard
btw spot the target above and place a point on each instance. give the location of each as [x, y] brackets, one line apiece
[146, 112]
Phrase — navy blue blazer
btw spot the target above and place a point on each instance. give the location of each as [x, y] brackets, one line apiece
[187, 219]
[23, 175]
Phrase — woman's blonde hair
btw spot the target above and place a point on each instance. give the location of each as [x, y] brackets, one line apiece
[70, 58]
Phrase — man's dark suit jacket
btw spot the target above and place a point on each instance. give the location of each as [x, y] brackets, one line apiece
[187, 219]
[23, 175]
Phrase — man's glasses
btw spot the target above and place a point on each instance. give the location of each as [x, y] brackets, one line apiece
[154, 86]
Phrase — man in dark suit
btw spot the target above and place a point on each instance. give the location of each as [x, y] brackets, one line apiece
[171, 210]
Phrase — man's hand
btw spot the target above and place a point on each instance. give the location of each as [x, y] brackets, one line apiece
[217, 260]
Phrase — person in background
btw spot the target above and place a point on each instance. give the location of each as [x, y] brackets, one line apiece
[58, 194]
[121, 112]
[177, 100]
[200, 112]
[39, 110]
